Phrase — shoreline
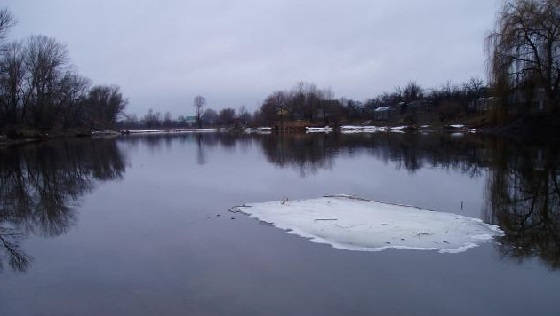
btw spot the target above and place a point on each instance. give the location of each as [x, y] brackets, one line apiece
[536, 128]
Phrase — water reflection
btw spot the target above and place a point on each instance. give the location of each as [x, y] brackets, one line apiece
[40, 187]
[523, 197]
[309, 153]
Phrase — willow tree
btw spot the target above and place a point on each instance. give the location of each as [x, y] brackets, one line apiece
[524, 54]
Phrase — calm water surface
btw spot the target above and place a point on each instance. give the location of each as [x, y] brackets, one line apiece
[140, 225]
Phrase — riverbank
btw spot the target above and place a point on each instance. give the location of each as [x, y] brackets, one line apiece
[533, 128]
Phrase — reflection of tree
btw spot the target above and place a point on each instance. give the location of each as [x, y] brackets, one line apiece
[309, 153]
[200, 152]
[524, 199]
[304, 152]
[39, 185]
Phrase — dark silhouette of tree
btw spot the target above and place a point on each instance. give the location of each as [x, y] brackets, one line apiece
[523, 54]
[226, 116]
[7, 20]
[105, 104]
[39, 89]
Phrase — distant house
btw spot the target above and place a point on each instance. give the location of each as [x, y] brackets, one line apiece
[383, 113]
[481, 104]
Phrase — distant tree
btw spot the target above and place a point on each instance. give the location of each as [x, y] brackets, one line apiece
[209, 117]
[152, 119]
[199, 102]
[105, 104]
[275, 107]
[244, 116]
[167, 120]
[227, 116]
[412, 92]
[474, 87]
[7, 20]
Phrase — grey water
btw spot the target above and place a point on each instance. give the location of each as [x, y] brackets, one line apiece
[139, 225]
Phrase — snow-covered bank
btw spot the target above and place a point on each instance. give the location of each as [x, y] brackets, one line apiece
[346, 222]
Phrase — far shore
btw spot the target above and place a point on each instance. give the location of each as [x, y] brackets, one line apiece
[541, 128]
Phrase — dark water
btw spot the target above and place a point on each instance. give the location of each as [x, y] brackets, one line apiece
[130, 226]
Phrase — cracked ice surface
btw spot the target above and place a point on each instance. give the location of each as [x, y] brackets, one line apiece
[346, 222]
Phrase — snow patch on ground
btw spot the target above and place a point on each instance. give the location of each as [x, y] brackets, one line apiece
[347, 222]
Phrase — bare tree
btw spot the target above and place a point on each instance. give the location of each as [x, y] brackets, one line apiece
[7, 20]
[474, 87]
[12, 80]
[46, 62]
[199, 103]
[244, 116]
[412, 92]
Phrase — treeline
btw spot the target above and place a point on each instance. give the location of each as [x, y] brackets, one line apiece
[309, 105]
[227, 117]
[39, 90]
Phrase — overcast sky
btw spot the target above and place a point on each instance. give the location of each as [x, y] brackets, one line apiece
[163, 53]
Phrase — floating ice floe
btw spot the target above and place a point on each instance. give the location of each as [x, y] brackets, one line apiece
[398, 129]
[325, 129]
[144, 131]
[349, 129]
[195, 130]
[171, 131]
[347, 222]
